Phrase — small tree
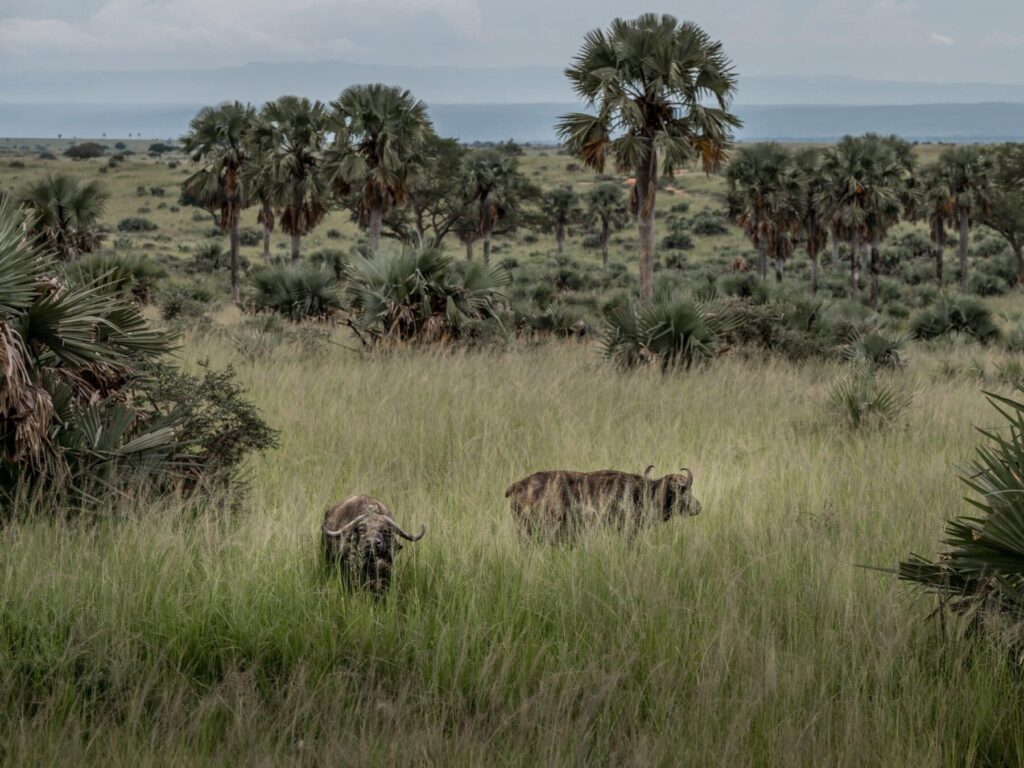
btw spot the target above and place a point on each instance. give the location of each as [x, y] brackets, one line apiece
[561, 208]
[606, 206]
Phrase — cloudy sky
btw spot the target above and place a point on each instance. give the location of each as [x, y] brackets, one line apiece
[935, 40]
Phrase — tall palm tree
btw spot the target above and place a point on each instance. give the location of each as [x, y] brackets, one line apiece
[844, 198]
[606, 204]
[292, 134]
[936, 205]
[217, 140]
[494, 186]
[651, 80]
[63, 216]
[891, 168]
[1006, 210]
[561, 208]
[814, 231]
[380, 133]
[966, 172]
[764, 201]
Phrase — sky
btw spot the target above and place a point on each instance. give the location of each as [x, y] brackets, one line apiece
[918, 40]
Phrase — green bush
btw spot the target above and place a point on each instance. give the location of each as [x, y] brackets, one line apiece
[89, 405]
[184, 303]
[876, 350]
[958, 315]
[136, 224]
[708, 223]
[671, 332]
[296, 291]
[87, 150]
[418, 294]
[860, 400]
[129, 274]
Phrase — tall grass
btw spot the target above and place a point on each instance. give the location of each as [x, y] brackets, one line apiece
[745, 636]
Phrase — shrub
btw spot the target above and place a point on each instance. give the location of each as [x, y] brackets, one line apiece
[249, 237]
[160, 148]
[333, 234]
[860, 400]
[296, 291]
[557, 319]
[876, 350]
[136, 224]
[84, 412]
[334, 260]
[744, 285]
[677, 238]
[131, 275]
[981, 572]
[959, 315]
[420, 295]
[120, 145]
[708, 223]
[87, 150]
[671, 331]
[184, 303]
[47, 156]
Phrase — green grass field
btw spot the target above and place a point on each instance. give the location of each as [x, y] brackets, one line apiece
[177, 634]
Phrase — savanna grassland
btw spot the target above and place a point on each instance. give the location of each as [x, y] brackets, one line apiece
[185, 633]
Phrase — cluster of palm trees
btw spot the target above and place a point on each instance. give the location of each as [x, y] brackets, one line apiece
[373, 150]
[293, 157]
[853, 193]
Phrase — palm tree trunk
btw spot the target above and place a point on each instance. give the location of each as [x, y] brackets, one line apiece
[234, 257]
[1018, 251]
[487, 245]
[854, 266]
[560, 236]
[376, 219]
[266, 243]
[296, 246]
[812, 253]
[939, 235]
[834, 238]
[469, 250]
[604, 243]
[645, 199]
[876, 266]
[779, 266]
[964, 228]
[762, 260]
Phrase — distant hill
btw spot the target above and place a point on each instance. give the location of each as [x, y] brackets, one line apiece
[535, 122]
[450, 85]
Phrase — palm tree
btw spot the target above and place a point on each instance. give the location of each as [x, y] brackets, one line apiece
[813, 229]
[891, 168]
[844, 198]
[63, 216]
[651, 80]
[1005, 213]
[966, 173]
[937, 207]
[217, 139]
[292, 133]
[606, 204]
[561, 208]
[494, 186]
[764, 201]
[380, 132]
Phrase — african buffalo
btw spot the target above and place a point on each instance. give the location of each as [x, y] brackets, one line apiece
[557, 504]
[358, 535]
